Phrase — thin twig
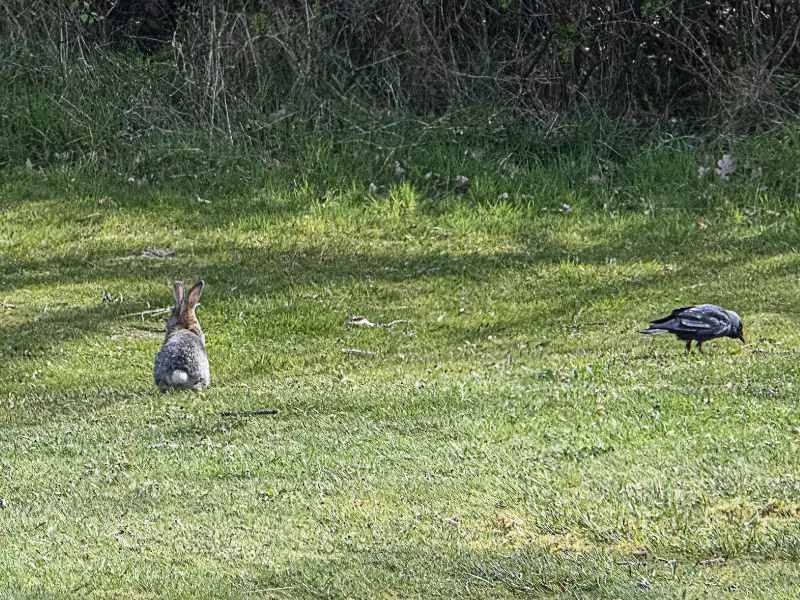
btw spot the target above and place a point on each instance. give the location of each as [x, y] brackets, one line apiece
[392, 323]
[155, 311]
[711, 561]
[249, 413]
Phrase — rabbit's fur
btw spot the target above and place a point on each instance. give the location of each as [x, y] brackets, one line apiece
[182, 362]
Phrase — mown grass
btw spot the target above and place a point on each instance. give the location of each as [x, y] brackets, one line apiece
[513, 436]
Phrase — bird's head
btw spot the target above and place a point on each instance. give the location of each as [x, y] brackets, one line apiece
[737, 329]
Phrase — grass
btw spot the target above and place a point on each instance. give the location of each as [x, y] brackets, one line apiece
[513, 436]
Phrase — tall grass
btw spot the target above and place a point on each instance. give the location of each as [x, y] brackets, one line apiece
[98, 82]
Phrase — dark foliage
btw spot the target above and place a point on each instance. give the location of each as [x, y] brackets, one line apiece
[237, 67]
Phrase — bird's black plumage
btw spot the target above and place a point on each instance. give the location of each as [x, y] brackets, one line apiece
[699, 324]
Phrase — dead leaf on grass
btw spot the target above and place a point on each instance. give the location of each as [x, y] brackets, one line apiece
[357, 321]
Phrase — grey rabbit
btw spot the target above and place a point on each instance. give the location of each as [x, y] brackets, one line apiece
[182, 362]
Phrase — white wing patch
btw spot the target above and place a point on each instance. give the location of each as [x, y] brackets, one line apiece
[696, 324]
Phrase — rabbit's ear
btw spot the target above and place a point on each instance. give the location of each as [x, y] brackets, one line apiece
[178, 292]
[194, 294]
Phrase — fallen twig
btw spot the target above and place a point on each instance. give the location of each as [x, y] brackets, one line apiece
[348, 351]
[357, 321]
[155, 311]
[392, 323]
[9, 306]
[248, 413]
[711, 561]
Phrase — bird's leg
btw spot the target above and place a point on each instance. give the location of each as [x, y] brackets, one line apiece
[689, 347]
[700, 347]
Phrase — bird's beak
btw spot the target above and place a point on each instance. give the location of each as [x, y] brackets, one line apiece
[741, 337]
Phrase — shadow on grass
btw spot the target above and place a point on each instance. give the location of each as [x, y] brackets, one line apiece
[431, 569]
[260, 274]
[253, 274]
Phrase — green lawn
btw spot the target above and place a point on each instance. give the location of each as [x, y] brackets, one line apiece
[512, 436]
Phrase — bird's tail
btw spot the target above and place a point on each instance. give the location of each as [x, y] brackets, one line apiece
[653, 331]
[178, 377]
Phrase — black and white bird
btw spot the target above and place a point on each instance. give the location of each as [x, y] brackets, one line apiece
[699, 324]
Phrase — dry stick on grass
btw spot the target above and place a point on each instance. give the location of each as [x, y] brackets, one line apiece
[393, 323]
[248, 413]
[357, 321]
[711, 561]
[155, 311]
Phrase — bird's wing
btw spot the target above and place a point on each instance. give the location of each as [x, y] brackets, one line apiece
[673, 315]
[705, 319]
[696, 324]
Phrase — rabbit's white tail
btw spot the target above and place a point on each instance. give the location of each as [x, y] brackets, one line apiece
[178, 377]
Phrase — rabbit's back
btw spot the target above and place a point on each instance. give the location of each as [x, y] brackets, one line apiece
[182, 363]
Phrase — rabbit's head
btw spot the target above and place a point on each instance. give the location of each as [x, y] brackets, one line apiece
[183, 315]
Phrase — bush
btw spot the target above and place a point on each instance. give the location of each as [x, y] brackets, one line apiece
[97, 77]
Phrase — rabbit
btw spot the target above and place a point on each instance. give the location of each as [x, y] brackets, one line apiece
[182, 362]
